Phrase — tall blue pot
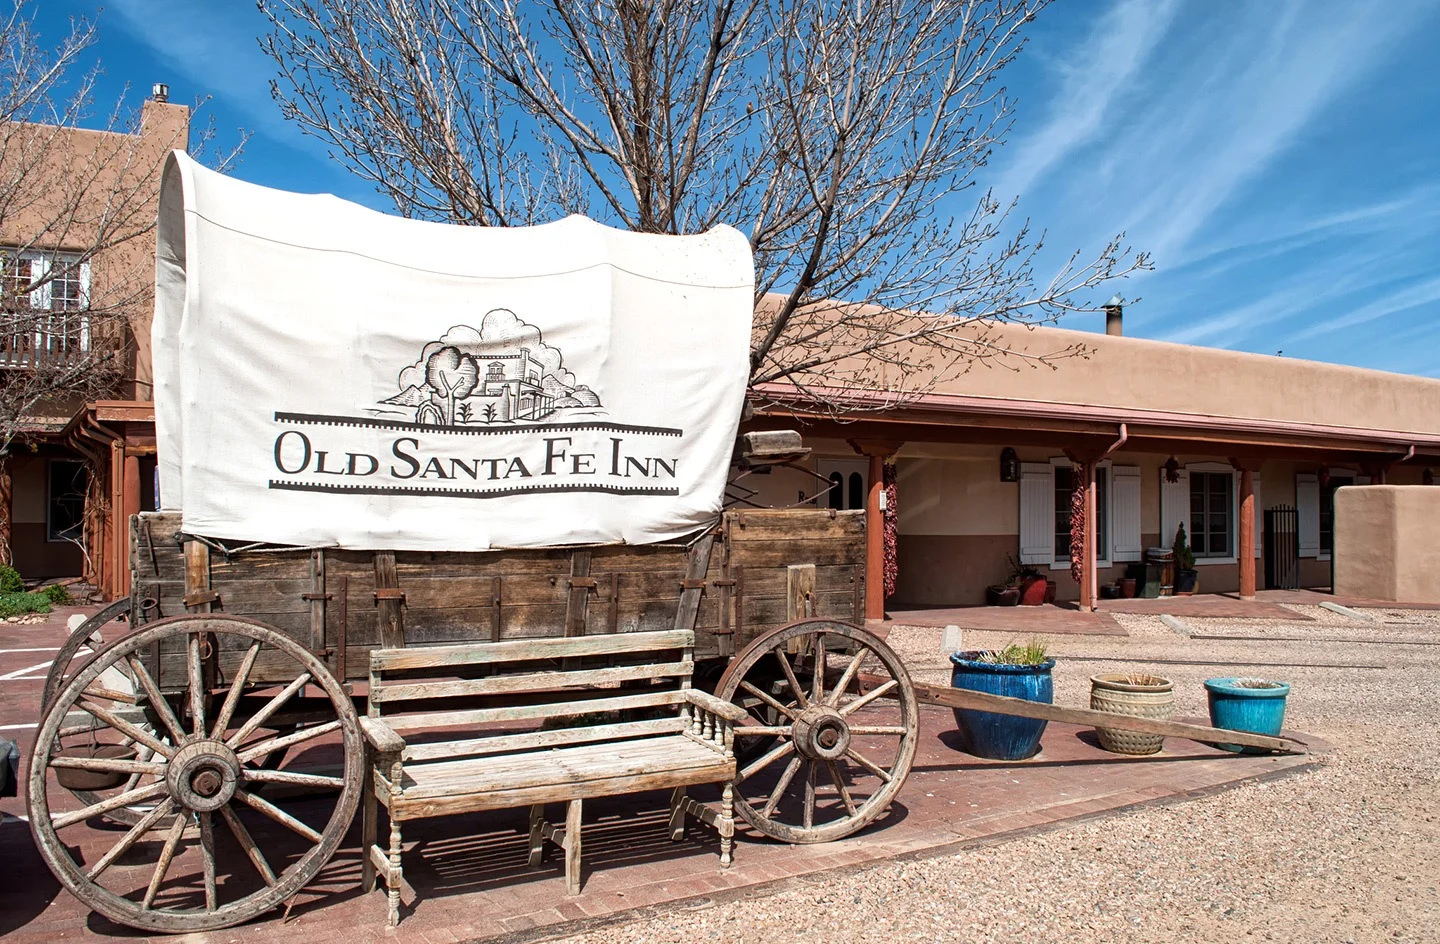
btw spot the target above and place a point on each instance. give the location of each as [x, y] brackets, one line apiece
[989, 734]
[1238, 705]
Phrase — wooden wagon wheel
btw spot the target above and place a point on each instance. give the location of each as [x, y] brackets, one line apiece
[60, 668]
[224, 854]
[845, 755]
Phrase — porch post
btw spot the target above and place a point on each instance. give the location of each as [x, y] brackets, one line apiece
[1245, 539]
[1089, 579]
[877, 453]
[130, 506]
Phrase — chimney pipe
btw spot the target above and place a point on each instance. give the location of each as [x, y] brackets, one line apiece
[160, 92]
[1115, 316]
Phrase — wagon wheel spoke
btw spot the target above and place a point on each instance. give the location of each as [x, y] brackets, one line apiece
[767, 698]
[242, 836]
[136, 734]
[781, 785]
[184, 883]
[242, 674]
[770, 758]
[879, 691]
[272, 706]
[197, 683]
[128, 798]
[790, 677]
[157, 700]
[846, 677]
[207, 857]
[809, 794]
[167, 855]
[278, 815]
[270, 745]
[865, 743]
[839, 779]
[261, 775]
[147, 822]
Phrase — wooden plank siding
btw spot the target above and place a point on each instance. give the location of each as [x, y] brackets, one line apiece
[450, 597]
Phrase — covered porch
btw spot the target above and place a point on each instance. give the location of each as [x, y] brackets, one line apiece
[984, 488]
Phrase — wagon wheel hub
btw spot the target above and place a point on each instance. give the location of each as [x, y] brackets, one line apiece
[821, 733]
[202, 775]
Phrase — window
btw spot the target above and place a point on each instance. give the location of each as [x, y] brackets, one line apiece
[1327, 511]
[1064, 483]
[42, 306]
[1212, 501]
[846, 485]
[65, 509]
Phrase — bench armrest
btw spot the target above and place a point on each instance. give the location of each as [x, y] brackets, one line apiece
[716, 706]
[381, 736]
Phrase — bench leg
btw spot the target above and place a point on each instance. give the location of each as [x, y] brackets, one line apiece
[572, 847]
[537, 835]
[368, 829]
[396, 875]
[727, 826]
[677, 814]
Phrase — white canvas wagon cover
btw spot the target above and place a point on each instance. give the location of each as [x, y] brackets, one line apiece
[329, 375]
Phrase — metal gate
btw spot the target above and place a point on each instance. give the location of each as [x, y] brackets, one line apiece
[1282, 548]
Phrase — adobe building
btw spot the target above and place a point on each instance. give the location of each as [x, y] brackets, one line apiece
[1157, 434]
[73, 465]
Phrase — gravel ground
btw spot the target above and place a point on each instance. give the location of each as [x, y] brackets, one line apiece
[1346, 852]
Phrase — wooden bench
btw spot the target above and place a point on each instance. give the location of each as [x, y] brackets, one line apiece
[479, 721]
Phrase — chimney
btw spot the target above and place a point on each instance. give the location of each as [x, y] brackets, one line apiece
[1115, 316]
[160, 92]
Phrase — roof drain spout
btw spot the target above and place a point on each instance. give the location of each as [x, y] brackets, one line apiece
[1125, 434]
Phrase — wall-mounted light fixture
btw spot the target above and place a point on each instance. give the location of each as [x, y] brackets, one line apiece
[1009, 465]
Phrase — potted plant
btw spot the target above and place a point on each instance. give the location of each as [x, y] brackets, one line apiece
[1246, 704]
[1025, 587]
[1016, 671]
[1132, 693]
[1187, 579]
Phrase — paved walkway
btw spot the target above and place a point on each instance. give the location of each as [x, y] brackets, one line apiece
[470, 877]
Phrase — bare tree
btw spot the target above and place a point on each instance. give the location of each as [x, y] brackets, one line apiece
[78, 197]
[840, 136]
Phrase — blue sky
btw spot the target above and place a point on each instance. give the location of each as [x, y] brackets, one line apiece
[1281, 160]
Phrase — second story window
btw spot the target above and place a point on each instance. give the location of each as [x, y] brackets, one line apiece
[43, 307]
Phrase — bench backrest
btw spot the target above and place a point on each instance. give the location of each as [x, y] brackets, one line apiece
[495, 690]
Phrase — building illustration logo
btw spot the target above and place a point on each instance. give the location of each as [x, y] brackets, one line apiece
[485, 412]
[502, 372]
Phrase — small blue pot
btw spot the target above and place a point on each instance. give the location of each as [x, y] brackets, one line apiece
[1244, 705]
[989, 734]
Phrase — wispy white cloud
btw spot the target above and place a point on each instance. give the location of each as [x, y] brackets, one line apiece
[1118, 46]
[1411, 296]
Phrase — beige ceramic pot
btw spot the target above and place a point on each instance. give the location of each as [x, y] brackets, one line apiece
[1144, 696]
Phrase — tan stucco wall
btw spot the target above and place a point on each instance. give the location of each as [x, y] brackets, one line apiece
[1386, 545]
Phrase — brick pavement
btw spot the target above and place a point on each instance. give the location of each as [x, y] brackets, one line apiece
[473, 883]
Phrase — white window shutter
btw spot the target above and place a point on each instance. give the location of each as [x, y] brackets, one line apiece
[1125, 513]
[1037, 513]
[1174, 507]
[1307, 507]
[1259, 518]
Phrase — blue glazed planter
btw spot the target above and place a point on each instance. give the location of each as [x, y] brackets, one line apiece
[996, 736]
[1252, 705]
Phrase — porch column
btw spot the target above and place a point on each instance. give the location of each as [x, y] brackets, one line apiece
[877, 452]
[1245, 539]
[1089, 578]
[129, 506]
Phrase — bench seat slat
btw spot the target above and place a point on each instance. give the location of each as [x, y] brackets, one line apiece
[528, 682]
[437, 719]
[520, 650]
[533, 740]
[596, 769]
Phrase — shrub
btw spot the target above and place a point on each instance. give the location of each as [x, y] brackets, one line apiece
[18, 604]
[1032, 653]
[57, 595]
[10, 581]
